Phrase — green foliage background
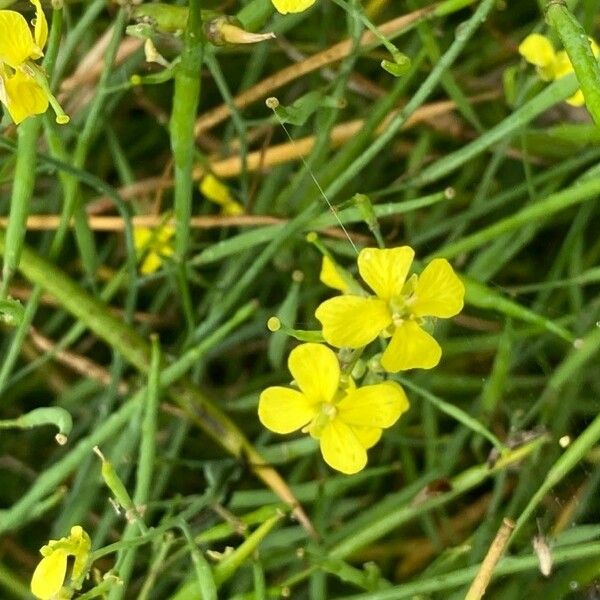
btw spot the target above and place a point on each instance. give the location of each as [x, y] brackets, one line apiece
[477, 161]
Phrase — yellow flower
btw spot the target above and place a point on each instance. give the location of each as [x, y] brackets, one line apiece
[537, 50]
[345, 419]
[49, 576]
[154, 245]
[23, 85]
[396, 310]
[217, 192]
[292, 6]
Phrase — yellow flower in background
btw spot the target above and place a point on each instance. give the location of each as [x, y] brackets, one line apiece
[153, 245]
[23, 86]
[537, 50]
[217, 192]
[49, 576]
[396, 310]
[292, 6]
[345, 419]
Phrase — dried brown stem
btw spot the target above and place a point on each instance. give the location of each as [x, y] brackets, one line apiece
[80, 364]
[495, 552]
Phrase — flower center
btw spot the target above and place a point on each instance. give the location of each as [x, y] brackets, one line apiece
[327, 413]
[400, 305]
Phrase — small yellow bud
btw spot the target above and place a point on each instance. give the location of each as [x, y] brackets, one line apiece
[273, 324]
[272, 103]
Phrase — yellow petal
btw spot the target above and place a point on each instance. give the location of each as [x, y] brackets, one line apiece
[316, 370]
[283, 410]
[385, 271]
[377, 406]
[40, 32]
[215, 191]
[165, 233]
[16, 41]
[367, 436]
[292, 6]
[410, 348]
[577, 99]
[157, 245]
[341, 449]
[232, 209]
[537, 50]
[24, 97]
[141, 237]
[166, 250]
[439, 292]
[330, 275]
[562, 65]
[49, 575]
[151, 263]
[353, 321]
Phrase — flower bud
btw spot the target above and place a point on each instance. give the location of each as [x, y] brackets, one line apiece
[221, 31]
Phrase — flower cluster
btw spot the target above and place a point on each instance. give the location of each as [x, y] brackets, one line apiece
[24, 89]
[325, 402]
[51, 572]
[537, 50]
[153, 246]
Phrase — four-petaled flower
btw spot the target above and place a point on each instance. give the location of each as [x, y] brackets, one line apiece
[292, 6]
[345, 419]
[49, 576]
[396, 310]
[23, 85]
[537, 50]
[154, 245]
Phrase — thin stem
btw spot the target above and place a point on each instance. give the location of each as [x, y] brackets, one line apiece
[186, 97]
[22, 191]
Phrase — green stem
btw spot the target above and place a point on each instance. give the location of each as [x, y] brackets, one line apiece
[147, 454]
[535, 213]
[148, 444]
[586, 351]
[204, 586]
[420, 96]
[460, 484]
[73, 39]
[507, 566]
[83, 234]
[186, 98]
[16, 343]
[230, 564]
[22, 191]
[456, 413]
[574, 39]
